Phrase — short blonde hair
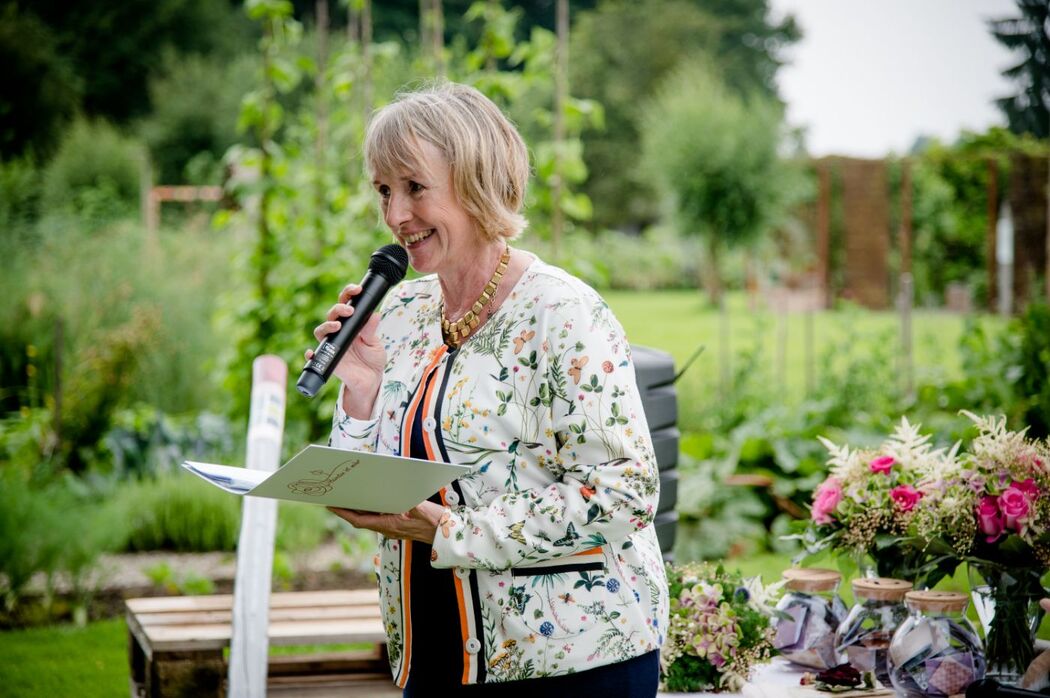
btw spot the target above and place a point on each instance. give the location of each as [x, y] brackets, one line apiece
[487, 157]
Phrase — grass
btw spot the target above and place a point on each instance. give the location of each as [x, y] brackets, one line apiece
[88, 662]
[680, 321]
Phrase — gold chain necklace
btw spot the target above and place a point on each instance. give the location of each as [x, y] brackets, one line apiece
[455, 332]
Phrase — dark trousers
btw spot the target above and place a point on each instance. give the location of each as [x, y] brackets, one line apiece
[635, 678]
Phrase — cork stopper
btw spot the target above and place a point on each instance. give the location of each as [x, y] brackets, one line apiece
[937, 601]
[880, 588]
[812, 579]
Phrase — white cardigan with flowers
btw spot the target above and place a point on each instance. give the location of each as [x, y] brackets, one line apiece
[556, 561]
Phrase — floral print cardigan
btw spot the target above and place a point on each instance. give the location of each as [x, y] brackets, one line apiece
[556, 563]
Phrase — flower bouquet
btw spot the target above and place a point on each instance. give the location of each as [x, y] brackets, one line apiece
[720, 627]
[991, 510]
[864, 509]
[919, 512]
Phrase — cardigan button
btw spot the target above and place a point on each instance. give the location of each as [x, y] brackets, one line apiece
[462, 572]
[472, 645]
[430, 424]
[451, 497]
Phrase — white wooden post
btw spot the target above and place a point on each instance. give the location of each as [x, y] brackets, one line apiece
[249, 642]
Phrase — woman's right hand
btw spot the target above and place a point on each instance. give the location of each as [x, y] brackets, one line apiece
[361, 368]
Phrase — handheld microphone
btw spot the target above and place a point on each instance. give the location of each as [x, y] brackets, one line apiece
[386, 268]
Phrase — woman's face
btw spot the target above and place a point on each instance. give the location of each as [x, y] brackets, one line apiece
[422, 211]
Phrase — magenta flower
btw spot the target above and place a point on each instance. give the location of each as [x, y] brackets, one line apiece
[882, 464]
[1029, 487]
[989, 519]
[1014, 505]
[825, 499]
[905, 497]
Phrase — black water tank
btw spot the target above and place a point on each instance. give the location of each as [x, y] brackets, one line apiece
[655, 372]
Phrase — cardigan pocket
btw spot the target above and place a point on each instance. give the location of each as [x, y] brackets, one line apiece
[557, 602]
[534, 570]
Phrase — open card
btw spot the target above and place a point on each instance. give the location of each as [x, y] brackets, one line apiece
[338, 478]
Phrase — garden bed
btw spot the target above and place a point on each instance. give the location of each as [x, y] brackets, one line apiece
[129, 575]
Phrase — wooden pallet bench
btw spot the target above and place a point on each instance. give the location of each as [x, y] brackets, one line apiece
[176, 644]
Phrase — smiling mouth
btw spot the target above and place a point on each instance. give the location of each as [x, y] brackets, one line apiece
[417, 237]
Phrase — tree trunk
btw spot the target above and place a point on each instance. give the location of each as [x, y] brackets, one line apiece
[321, 136]
[561, 90]
[713, 280]
[366, 58]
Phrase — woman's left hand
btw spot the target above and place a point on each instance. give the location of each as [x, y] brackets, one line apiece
[418, 523]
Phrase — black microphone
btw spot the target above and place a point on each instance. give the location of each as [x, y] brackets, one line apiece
[989, 688]
[386, 268]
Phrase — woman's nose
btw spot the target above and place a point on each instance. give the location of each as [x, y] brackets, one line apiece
[398, 212]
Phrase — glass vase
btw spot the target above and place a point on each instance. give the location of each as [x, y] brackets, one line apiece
[1007, 605]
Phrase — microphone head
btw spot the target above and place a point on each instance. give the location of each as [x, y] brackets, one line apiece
[390, 262]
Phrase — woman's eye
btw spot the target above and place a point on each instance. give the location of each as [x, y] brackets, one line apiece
[415, 187]
[384, 191]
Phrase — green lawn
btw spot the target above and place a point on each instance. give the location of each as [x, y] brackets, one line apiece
[89, 662]
[680, 321]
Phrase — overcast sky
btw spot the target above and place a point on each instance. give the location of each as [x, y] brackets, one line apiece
[869, 76]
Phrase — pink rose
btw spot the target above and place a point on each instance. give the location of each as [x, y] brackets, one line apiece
[882, 464]
[825, 499]
[1015, 507]
[905, 497]
[607, 366]
[1030, 489]
[989, 519]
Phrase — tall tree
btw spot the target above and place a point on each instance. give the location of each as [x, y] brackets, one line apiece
[624, 48]
[1028, 111]
[40, 89]
[114, 48]
[714, 156]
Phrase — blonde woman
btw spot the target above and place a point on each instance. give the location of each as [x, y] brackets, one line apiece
[540, 570]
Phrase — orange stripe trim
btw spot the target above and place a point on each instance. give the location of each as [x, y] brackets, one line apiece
[428, 400]
[406, 565]
[463, 628]
[410, 413]
[406, 606]
[589, 551]
[406, 426]
[462, 603]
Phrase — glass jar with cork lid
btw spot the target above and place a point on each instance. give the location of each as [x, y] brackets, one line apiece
[864, 637]
[808, 615]
[936, 651]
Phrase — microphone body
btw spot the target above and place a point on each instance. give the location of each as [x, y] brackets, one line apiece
[387, 268]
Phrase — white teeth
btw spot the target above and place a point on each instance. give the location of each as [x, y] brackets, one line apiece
[412, 239]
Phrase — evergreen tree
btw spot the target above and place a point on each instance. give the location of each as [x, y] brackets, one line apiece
[1028, 111]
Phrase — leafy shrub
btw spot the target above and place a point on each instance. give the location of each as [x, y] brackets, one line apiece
[194, 116]
[751, 432]
[27, 535]
[95, 173]
[659, 258]
[189, 584]
[144, 441]
[1006, 371]
[1033, 383]
[178, 512]
[57, 529]
[20, 182]
[126, 323]
[301, 527]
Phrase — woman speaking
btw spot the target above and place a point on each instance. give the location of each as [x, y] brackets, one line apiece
[540, 570]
